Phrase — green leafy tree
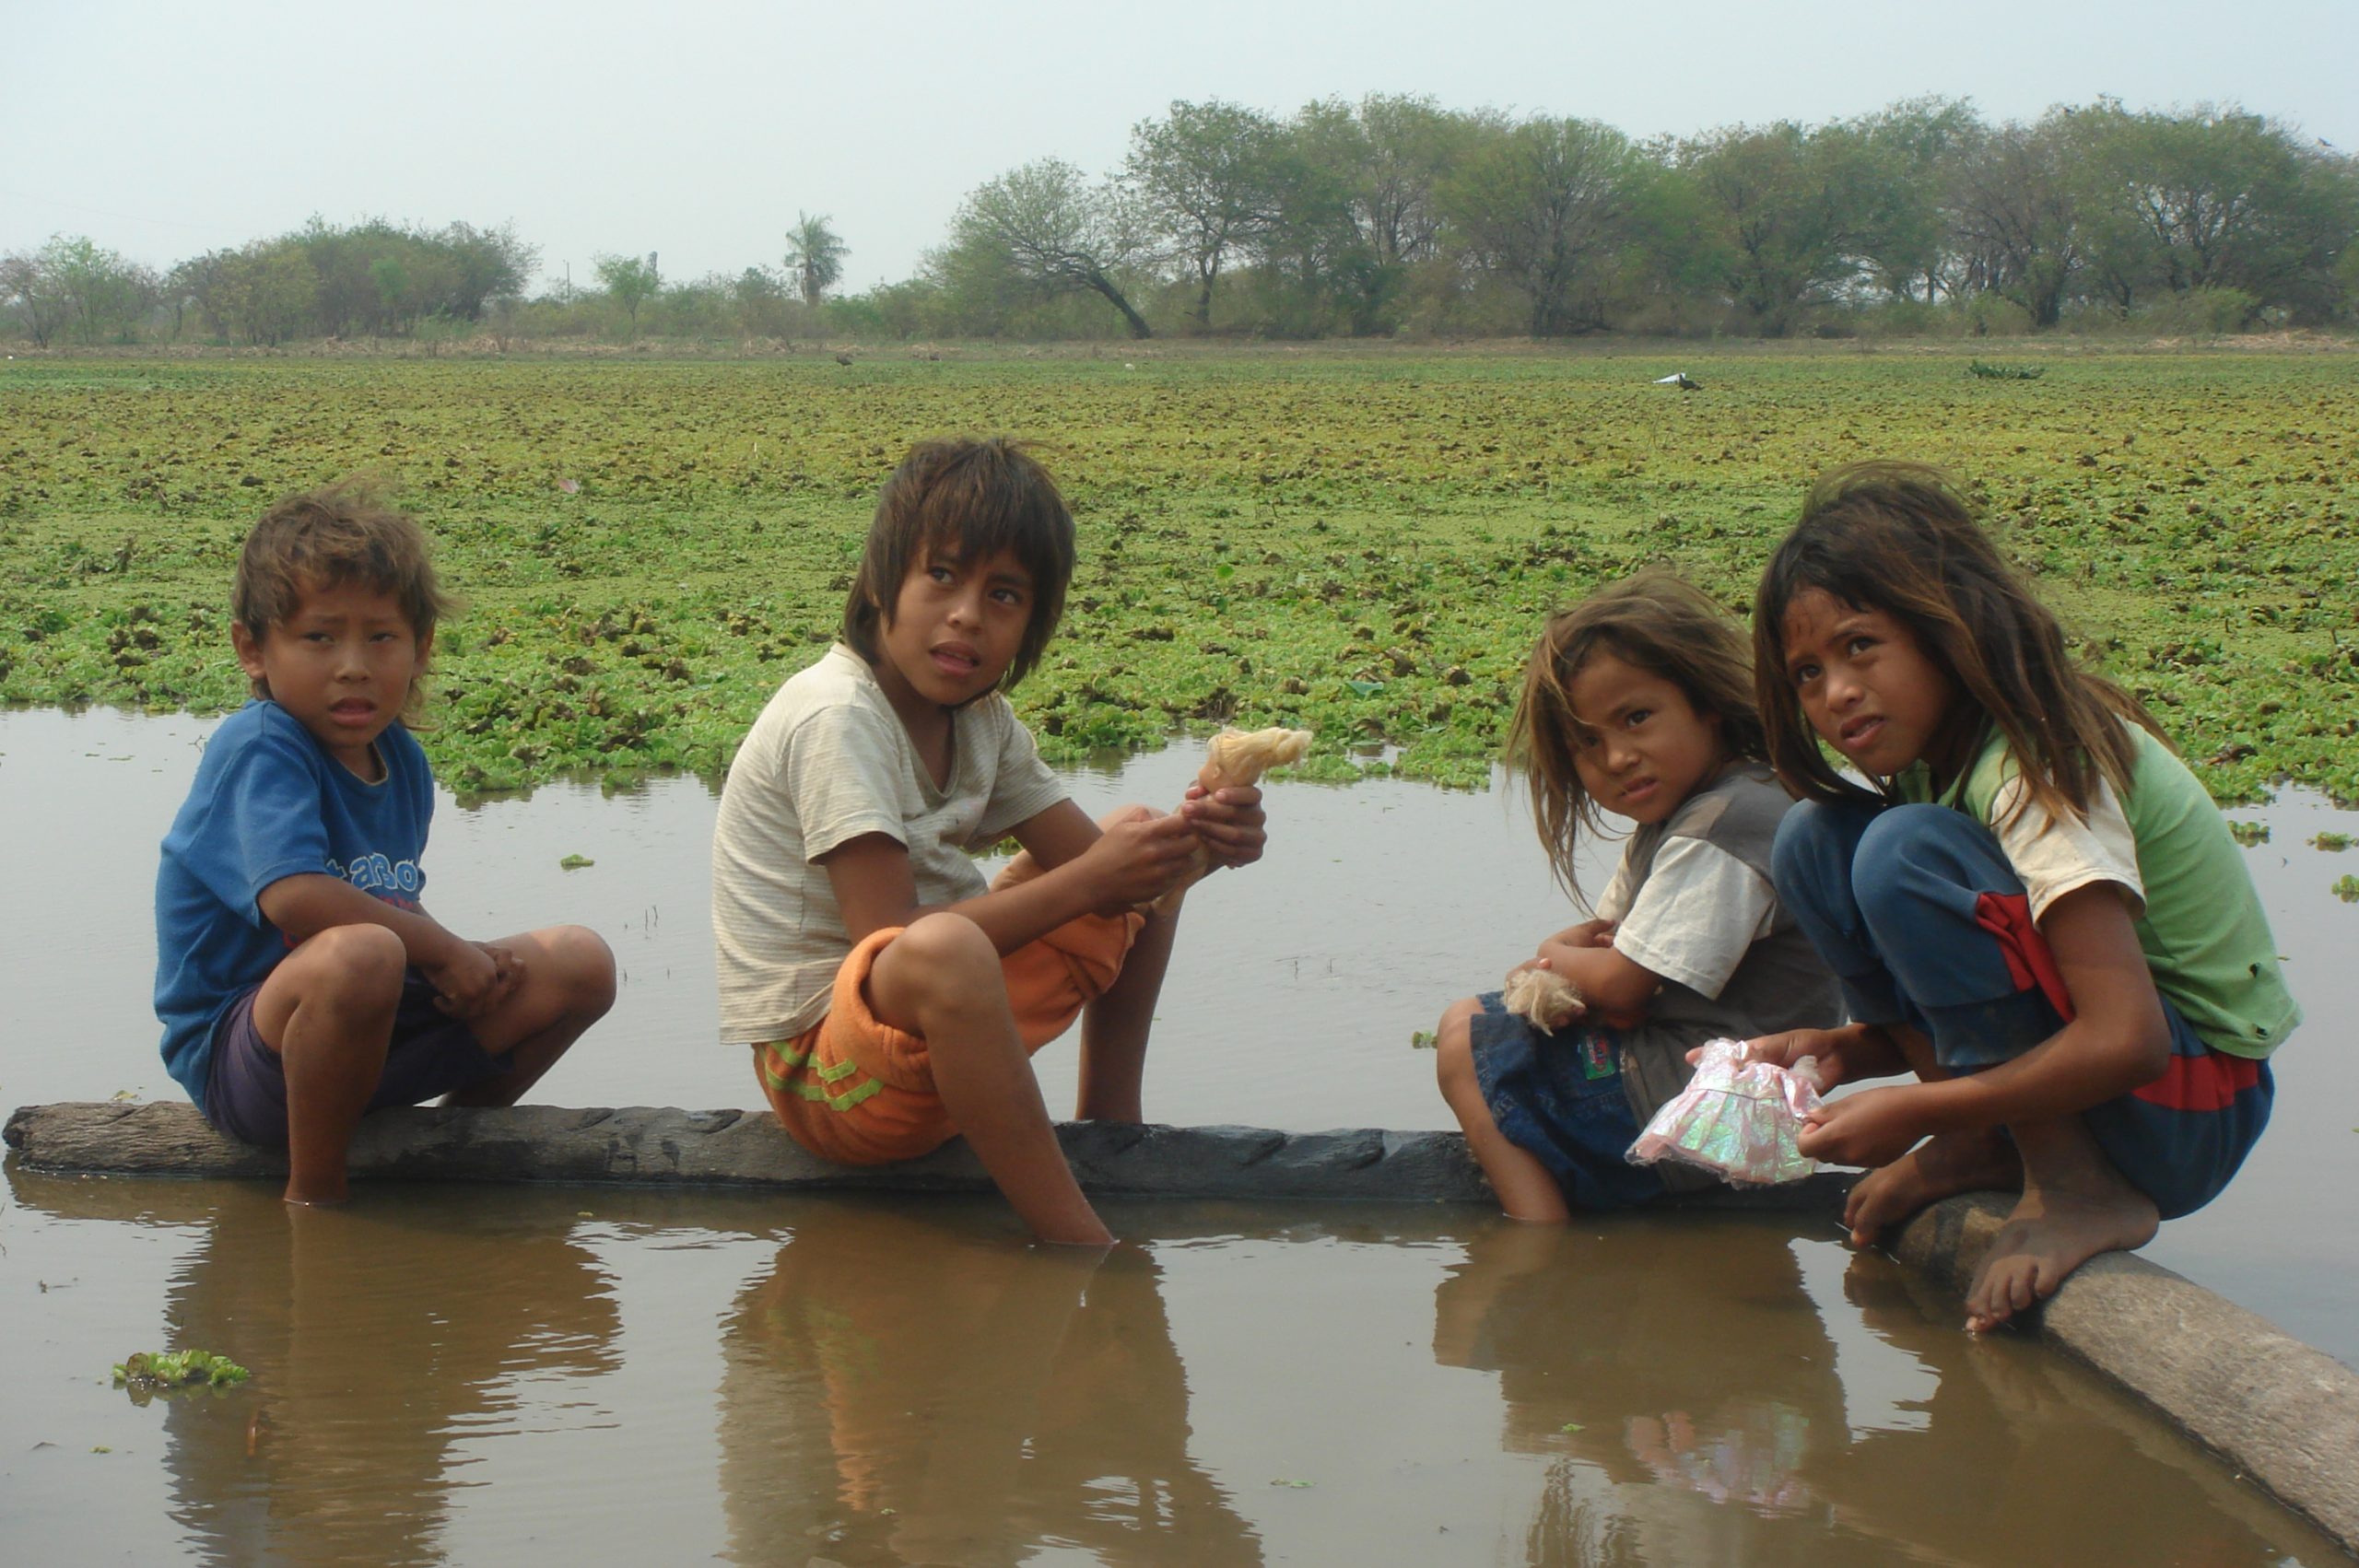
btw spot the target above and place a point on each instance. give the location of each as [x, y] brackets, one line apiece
[2213, 200]
[630, 282]
[266, 292]
[2015, 227]
[1542, 205]
[814, 256]
[36, 298]
[1383, 161]
[1907, 152]
[1043, 230]
[1212, 181]
[1786, 211]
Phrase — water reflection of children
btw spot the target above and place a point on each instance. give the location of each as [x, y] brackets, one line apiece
[1669, 1365]
[369, 1366]
[901, 1391]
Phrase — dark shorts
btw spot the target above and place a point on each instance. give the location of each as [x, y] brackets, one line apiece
[432, 1054]
[1559, 1097]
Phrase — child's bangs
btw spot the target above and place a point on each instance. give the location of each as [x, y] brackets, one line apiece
[970, 534]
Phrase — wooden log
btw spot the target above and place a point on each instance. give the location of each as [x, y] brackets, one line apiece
[732, 1148]
[2284, 1414]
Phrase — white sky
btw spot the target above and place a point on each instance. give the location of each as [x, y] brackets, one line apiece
[697, 130]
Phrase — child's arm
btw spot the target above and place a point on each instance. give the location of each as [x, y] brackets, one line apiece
[2118, 1041]
[471, 977]
[1084, 871]
[1616, 986]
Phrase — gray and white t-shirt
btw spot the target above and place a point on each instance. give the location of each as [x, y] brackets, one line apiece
[826, 762]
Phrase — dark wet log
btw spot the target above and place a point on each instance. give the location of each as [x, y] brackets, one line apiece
[2281, 1413]
[748, 1148]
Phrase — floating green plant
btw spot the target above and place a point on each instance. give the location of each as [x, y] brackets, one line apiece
[160, 1372]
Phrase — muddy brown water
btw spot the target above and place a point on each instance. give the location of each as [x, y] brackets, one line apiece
[464, 1374]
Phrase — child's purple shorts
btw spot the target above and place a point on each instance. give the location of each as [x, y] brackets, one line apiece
[432, 1054]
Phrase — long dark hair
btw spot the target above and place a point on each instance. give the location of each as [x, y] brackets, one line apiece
[1656, 622]
[1898, 538]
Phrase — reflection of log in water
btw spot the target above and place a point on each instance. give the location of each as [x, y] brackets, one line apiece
[900, 1390]
[377, 1340]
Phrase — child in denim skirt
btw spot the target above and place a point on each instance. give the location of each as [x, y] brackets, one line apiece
[1637, 702]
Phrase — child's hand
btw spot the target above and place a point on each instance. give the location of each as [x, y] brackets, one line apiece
[1873, 1127]
[1784, 1051]
[473, 978]
[1137, 862]
[1229, 822]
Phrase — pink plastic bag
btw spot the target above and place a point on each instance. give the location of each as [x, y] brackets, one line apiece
[1736, 1119]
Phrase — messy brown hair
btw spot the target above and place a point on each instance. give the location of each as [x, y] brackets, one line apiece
[1899, 538]
[958, 500]
[1657, 622]
[346, 533]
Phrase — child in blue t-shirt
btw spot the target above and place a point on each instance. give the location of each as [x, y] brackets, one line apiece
[300, 983]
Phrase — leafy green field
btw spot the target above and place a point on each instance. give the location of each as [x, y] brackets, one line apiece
[1361, 543]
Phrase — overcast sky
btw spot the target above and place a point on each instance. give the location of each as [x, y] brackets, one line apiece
[698, 130]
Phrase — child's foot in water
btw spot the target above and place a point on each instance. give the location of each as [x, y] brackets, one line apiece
[1942, 1166]
[2070, 1210]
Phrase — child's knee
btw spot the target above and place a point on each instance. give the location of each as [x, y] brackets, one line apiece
[1909, 851]
[585, 965]
[942, 958]
[1454, 1046]
[1816, 844]
[361, 965]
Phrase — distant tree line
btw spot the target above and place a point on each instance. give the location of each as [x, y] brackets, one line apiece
[1394, 215]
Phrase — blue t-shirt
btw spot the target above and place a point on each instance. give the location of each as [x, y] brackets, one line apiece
[270, 803]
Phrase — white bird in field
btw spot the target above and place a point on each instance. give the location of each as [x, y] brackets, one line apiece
[1677, 379]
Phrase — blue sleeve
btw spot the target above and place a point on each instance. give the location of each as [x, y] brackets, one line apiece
[262, 820]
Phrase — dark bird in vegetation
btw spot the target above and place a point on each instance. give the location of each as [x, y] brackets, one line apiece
[1681, 380]
[844, 358]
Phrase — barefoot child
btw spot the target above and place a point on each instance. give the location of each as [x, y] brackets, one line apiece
[890, 998]
[1637, 701]
[2032, 904]
[300, 982]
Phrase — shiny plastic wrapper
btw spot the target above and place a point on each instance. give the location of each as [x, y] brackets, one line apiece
[1736, 1119]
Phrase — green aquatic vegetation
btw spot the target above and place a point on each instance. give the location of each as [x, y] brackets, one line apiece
[2347, 889]
[1359, 544]
[1421, 1040]
[159, 1372]
[2332, 842]
[2249, 834]
[575, 862]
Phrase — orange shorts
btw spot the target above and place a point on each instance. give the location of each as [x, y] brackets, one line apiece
[854, 1089]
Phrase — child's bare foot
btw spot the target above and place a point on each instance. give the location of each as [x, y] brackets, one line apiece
[1942, 1166]
[2072, 1208]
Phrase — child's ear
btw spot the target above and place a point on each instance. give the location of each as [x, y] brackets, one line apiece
[248, 651]
[425, 649]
